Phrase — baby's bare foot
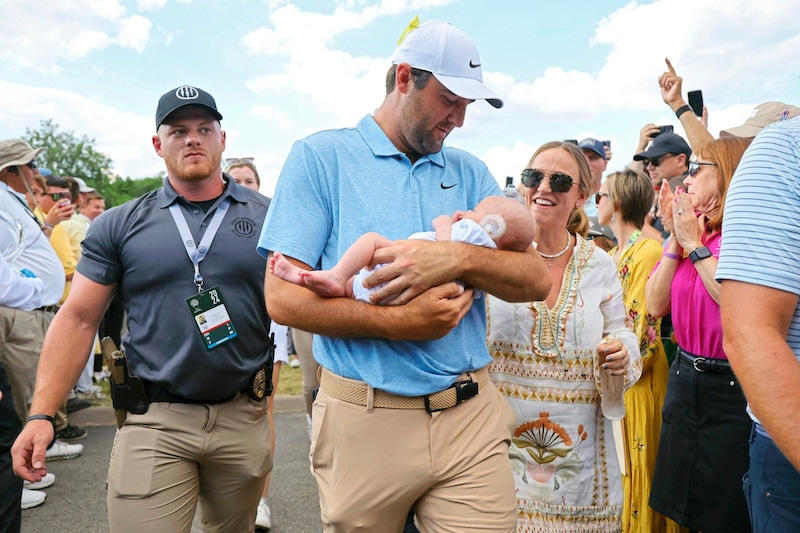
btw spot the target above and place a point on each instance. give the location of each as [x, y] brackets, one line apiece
[281, 267]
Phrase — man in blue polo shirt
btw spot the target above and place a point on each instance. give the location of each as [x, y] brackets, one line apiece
[760, 303]
[183, 262]
[405, 415]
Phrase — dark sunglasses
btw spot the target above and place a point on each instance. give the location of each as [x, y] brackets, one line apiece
[234, 160]
[658, 160]
[599, 195]
[694, 167]
[32, 165]
[56, 196]
[559, 182]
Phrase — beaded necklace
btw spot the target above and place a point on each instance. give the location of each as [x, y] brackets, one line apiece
[550, 258]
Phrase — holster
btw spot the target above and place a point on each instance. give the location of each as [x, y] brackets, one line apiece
[128, 394]
[260, 384]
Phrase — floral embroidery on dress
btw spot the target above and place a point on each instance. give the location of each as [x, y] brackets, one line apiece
[551, 447]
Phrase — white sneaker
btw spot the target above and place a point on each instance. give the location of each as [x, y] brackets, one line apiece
[45, 482]
[61, 450]
[32, 498]
[264, 516]
[294, 362]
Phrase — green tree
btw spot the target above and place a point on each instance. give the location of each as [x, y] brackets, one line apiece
[66, 154]
[123, 189]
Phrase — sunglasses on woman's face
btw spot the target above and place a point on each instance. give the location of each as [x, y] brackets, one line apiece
[694, 167]
[559, 182]
[599, 195]
[234, 160]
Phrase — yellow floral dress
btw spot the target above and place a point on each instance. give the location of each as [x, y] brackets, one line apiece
[643, 401]
[562, 453]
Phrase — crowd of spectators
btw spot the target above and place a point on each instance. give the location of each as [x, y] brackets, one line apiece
[627, 398]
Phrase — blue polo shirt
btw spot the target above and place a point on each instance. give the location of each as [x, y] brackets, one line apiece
[761, 227]
[337, 185]
[138, 246]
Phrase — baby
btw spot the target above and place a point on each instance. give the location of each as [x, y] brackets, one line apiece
[496, 222]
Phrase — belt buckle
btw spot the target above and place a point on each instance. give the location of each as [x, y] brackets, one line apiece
[699, 364]
[464, 391]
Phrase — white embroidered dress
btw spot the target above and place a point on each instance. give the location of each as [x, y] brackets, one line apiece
[562, 453]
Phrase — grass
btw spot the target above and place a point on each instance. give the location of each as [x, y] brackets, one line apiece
[291, 383]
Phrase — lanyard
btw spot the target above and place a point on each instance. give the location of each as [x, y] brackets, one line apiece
[198, 253]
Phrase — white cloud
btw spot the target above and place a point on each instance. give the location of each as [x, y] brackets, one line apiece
[335, 81]
[712, 45]
[149, 5]
[275, 117]
[123, 136]
[71, 31]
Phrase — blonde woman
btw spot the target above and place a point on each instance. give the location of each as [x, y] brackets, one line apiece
[623, 202]
[564, 362]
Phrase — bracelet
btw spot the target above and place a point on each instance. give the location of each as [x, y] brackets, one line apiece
[42, 417]
[671, 256]
[681, 110]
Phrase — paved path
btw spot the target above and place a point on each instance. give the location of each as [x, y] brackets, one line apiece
[77, 501]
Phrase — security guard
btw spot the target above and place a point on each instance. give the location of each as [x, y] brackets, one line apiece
[184, 261]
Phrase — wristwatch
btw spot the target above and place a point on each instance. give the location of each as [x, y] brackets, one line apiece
[699, 254]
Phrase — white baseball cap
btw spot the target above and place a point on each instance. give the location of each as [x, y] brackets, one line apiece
[449, 53]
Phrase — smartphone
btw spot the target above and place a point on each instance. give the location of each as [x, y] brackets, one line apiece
[664, 129]
[571, 141]
[607, 144]
[696, 102]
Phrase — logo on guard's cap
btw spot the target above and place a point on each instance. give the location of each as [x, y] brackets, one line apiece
[187, 92]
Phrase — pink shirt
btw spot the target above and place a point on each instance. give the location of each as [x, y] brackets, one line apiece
[695, 315]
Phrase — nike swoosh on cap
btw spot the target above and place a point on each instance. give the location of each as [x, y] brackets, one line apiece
[473, 65]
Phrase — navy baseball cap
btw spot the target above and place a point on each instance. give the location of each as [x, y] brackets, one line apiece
[594, 145]
[666, 143]
[183, 96]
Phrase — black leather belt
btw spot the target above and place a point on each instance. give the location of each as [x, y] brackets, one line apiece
[156, 393]
[48, 308]
[704, 364]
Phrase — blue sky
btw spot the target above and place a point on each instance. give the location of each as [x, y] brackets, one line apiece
[281, 70]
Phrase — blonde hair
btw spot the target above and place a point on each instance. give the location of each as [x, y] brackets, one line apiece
[578, 223]
[244, 164]
[632, 194]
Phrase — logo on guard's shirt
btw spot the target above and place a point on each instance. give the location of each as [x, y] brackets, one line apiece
[186, 92]
[443, 186]
[244, 227]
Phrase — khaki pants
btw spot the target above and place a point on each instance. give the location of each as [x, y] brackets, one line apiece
[21, 337]
[163, 460]
[452, 466]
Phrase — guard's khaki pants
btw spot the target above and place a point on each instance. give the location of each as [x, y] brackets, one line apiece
[452, 466]
[163, 460]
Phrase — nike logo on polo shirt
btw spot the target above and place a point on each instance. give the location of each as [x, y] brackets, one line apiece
[443, 186]
[473, 65]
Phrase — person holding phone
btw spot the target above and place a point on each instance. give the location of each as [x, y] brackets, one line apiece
[671, 91]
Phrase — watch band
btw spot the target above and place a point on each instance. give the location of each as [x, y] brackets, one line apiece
[700, 253]
[681, 110]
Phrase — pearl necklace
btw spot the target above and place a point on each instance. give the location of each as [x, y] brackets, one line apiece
[549, 258]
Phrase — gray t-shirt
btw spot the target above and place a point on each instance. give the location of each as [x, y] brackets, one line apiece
[138, 246]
